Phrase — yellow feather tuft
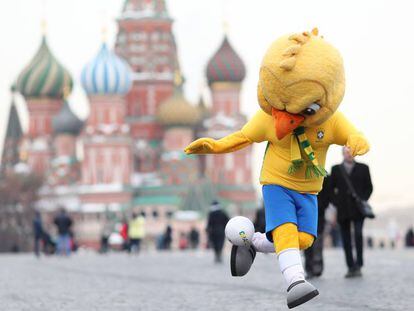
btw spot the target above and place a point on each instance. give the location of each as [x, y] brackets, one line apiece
[299, 38]
[288, 63]
[292, 50]
[315, 31]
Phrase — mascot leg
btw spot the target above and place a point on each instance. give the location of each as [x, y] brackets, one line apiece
[288, 242]
[240, 232]
[262, 244]
[242, 257]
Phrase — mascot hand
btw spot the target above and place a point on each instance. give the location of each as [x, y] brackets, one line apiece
[358, 144]
[201, 146]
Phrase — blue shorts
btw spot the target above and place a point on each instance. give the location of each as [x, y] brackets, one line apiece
[283, 206]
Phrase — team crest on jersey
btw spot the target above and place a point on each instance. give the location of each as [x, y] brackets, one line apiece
[320, 134]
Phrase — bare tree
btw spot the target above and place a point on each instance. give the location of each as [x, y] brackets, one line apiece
[18, 193]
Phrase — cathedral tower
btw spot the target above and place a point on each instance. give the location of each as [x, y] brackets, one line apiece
[42, 83]
[107, 160]
[13, 137]
[231, 172]
[66, 128]
[146, 41]
[178, 117]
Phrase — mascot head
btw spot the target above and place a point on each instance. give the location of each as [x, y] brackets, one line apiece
[301, 81]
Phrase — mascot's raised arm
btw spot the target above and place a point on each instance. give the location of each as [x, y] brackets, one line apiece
[300, 87]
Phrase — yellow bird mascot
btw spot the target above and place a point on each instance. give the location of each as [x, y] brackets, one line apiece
[301, 85]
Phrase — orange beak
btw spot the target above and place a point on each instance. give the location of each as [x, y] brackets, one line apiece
[285, 122]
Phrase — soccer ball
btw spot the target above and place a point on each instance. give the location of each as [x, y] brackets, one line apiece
[239, 231]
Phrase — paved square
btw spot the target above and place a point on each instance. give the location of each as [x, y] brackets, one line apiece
[191, 281]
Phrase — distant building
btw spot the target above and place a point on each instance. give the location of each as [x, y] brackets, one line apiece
[132, 142]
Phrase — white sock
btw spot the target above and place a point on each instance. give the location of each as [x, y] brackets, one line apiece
[290, 264]
[262, 244]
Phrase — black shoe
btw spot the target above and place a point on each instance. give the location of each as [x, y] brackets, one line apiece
[353, 272]
[241, 259]
[357, 272]
[350, 274]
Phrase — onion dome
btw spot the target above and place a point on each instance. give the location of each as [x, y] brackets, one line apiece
[66, 122]
[44, 76]
[226, 65]
[177, 111]
[106, 74]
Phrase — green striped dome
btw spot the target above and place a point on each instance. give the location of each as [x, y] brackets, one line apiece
[44, 76]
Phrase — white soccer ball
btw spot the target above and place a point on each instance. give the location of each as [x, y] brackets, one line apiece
[239, 231]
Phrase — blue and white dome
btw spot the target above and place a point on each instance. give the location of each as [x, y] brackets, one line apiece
[106, 74]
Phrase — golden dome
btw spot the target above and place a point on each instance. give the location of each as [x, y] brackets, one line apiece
[176, 111]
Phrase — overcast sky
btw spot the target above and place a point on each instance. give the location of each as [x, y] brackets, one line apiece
[374, 36]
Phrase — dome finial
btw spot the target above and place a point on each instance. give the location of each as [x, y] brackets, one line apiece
[66, 92]
[104, 33]
[178, 78]
[226, 27]
[43, 22]
[43, 26]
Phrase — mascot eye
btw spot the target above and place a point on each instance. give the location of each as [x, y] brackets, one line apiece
[312, 109]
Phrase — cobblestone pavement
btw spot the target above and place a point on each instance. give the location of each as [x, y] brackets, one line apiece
[191, 281]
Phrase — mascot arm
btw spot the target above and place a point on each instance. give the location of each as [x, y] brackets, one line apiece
[252, 131]
[229, 143]
[346, 134]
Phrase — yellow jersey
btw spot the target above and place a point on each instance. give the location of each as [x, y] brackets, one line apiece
[277, 158]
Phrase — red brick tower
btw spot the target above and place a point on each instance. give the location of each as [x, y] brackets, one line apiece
[146, 41]
[230, 172]
[42, 83]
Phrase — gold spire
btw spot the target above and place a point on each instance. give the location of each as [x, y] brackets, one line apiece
[66, 92]
[43, 26]
[226, 27]
[178, 78]
[43, 23]
[104, 33]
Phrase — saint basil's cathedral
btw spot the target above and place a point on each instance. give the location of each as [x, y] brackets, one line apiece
[128, 154]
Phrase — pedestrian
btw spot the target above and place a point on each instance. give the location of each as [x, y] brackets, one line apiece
[136, 232]
[167, 238]
[63, 224]
[49, 244]
[194, 238]
[38, 233]
[370, 242]
[217, 220]
[346, 203]
[409, 238]
[314, 254]
[259, 221]
[183, 241]
[106, 232]
[124, 234]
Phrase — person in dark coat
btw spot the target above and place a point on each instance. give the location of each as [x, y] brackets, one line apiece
[63, 224]
[348, 213]
[259, 221]
[194, 237]
[167, 238]
[217, 220]
[313, 255]
[409, 238]
[38, 232]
